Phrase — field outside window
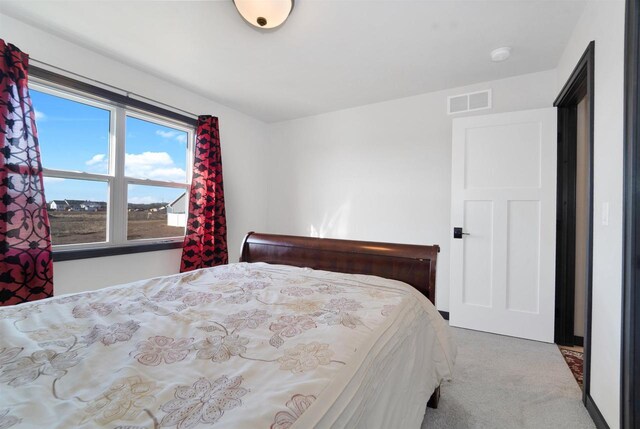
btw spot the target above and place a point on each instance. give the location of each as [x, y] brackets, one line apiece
[112, 176]
[80, 217]
[156, 212]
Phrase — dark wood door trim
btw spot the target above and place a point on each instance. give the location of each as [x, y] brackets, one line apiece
[630, 353]
[565, 226]
[579, 85]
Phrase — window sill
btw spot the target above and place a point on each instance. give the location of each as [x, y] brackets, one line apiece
[71, 255]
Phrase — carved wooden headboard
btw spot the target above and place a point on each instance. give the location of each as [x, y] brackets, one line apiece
[412, 264]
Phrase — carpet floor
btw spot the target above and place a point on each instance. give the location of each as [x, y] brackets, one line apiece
[503, 382]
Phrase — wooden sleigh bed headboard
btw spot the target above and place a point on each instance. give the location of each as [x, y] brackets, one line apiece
[412, 264]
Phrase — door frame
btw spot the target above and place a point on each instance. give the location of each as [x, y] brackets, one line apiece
[579, 85]
[630, 351]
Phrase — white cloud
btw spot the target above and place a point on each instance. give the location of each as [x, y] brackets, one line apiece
[147, 159]
[145, 165]
[173, 174]
[99, 163]
[179, 136]
[166, 134]
[40, 116]
[153, 165]
[97, 159]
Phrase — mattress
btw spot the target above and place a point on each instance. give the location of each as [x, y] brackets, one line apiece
[236, 346]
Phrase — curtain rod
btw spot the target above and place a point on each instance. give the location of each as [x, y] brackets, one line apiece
[126, 92]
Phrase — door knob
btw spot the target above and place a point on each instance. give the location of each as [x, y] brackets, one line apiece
[457, 232]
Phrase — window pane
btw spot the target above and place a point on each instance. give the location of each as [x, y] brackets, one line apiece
[155, 152]
[72, 136]
[156, 212]
[77, 210]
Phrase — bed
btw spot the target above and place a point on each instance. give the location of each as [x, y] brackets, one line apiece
[301, 333]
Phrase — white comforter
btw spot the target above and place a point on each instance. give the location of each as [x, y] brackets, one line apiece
[238, 346]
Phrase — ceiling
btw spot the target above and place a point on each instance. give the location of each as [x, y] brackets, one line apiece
[329, 55]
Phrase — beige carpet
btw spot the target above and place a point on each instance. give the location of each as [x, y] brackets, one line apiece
[503, 382]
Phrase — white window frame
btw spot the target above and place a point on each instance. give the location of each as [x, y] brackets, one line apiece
[117, 182]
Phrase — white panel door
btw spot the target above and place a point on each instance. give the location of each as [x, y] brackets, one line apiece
[504, 198]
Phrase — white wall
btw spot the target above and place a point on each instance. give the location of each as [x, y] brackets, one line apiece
[381, 172]
[71, 276]
[243, 142]
[604, 23]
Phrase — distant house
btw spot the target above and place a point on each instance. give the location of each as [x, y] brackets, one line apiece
[177, 211]
[93, 206]
[77, 205]
[58, 205]
[74, 205]
[89, 206]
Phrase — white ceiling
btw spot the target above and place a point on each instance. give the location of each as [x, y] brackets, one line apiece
[329, 55]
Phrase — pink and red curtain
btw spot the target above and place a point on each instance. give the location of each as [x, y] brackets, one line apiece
[26, 269]
[205, 243]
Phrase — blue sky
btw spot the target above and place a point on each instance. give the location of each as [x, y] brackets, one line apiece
[75, 136]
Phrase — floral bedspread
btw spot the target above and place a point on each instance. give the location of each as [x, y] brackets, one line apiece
[237, 346]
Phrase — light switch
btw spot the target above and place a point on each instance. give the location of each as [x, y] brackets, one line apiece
[605, 214]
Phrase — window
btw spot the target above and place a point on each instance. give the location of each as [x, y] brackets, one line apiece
[114, 175]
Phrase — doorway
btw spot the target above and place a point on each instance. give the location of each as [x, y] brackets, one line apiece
[574, 250]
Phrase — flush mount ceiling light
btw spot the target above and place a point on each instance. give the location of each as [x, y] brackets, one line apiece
[264, 13]
[500, 54]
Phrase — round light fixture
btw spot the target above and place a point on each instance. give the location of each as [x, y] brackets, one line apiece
[264, 13]
[500, 54]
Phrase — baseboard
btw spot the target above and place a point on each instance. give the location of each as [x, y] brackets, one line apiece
[444, 314]
[595, 413]
[578, 341]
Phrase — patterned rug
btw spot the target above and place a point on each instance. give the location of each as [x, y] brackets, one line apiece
[574, 360]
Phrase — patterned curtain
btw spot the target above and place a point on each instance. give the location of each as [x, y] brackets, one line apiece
[26, 269]
[205, 243]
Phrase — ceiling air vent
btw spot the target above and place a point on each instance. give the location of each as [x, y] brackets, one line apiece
[469, 102]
